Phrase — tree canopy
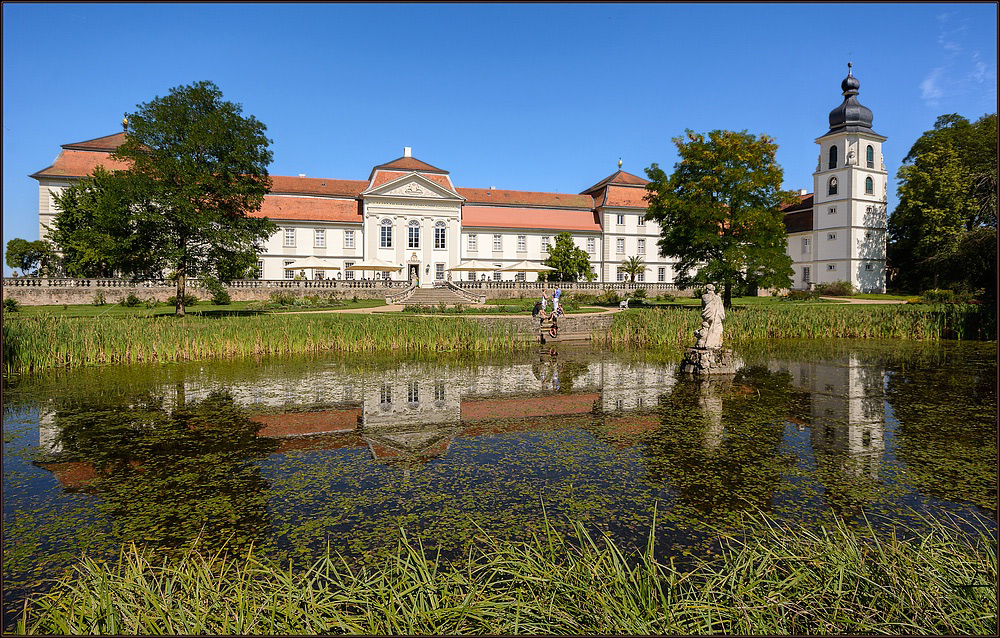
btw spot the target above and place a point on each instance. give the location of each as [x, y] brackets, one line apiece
[569, 260]
[197, 169]
[29, 257]
[719, 212]
[947, 208]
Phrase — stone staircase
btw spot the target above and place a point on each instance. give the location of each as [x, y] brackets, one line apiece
[434, 296]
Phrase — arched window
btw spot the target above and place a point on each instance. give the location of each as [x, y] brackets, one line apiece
[870, 156]
[413, 235]
[439, 235]
[385, 234]
[869, 185]
[833, 157]
[832, 188]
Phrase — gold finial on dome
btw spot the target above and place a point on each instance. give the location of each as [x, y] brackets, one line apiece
[619, 163]
[125, 124]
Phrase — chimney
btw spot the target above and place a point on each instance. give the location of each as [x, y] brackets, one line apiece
[407, 151]
[302, 174]
[803, 191]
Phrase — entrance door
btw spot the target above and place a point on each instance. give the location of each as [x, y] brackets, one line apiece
[414, 276]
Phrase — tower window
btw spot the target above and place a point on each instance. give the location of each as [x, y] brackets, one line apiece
[869, 186]
[870, 156]
[832, 186]
[833, 157]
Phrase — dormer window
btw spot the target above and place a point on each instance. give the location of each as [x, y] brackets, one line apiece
[833, 157]
[832, 186]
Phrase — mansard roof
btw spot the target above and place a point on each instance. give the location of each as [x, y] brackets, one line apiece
[317, 186]
[799, 215]
[326, 209]
[496, 197]
[553, 219]
[79, 163]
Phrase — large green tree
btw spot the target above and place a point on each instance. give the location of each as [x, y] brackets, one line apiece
[569, 260]
[719, 212]
[947, 207]
[197, 169]
[30, 257]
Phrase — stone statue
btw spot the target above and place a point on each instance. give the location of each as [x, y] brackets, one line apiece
[712, 314]
[850, 157]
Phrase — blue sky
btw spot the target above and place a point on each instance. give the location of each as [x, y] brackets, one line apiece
[516, 96]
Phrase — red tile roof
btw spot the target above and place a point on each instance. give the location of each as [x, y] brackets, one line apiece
[317, 186]
[524, 198]
[75, 163]
[409, 164]
[805, 203]
[310, 208]
[621, 177]
[625, 196]
[303, 423]
[106, 143]
[382, 177]
[528, 218]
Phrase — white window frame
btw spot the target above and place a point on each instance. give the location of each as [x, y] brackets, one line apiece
[289, 241]
[473, 241]
[545, 244]
[440, 236]
[642, 220]
[661, 274]
[348, 239]
[869, 267]
[641, 246]
[439, 272]
[831, 236]
[522, 243]
[519, 276]
[497, 275]
[806, 273]
[260, 269]
[348, 274]
[831, 266]
[621, 274]
[806, 245]
[591, 245]
[497, 243]
[621, 220]
[640, 276]
[319, 238]
[413, 234]
[385, 233]
[832, 210]
[620, 246]
[289, 272]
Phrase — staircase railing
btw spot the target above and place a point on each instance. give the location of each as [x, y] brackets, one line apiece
[466, 294]
[403, 296]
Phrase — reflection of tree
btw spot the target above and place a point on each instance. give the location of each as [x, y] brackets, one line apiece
[168, 476]
[716, 475]
[949, 446]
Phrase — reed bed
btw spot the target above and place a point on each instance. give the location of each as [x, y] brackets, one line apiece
[34, 343]
[780, 580]
[673, 327]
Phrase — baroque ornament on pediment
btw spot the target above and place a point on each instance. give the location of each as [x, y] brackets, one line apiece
[442, 206]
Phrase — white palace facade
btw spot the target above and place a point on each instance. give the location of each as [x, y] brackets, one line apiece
[411, 214]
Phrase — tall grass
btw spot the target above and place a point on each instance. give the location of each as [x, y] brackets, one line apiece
[675, 326]
[34, 343]
[781, 580]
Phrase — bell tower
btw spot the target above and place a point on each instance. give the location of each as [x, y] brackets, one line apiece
[849, 205]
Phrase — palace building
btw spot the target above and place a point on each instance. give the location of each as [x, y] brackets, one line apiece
[411, 214]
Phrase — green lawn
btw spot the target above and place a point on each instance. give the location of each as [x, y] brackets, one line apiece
[203, 308]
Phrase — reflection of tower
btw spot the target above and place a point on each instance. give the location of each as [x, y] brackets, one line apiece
[48, 434]
[634, 385]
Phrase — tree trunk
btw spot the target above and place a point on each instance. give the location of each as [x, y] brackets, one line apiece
[181, 281]
[727, 295]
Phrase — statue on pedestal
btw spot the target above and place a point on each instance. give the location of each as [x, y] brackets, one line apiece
[708, 356]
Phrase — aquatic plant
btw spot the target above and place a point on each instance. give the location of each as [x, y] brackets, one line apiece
[776, 580]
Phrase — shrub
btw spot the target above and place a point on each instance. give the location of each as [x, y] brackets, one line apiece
[131, 301]
[640, 293]
[220, 295]
[442, 306]
[282, 298]
[800, 295]
[11, 305]
[610, 297]
[838, 288]
[151, 302]
[189, 300]
[938, 296]
[99, 299]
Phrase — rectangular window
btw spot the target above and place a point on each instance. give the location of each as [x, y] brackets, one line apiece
[621, 275]
[642, 220]
[385, 236]
[289, 273]
[319, 240]
[472, 275]
[348, 274]
[289, 237]
[832, 210]
[831, 266]
[413, 236]
[831, 236]
[497, 243]
[385, 395]
[519, 276]
[661, 274]
[522, 243]
[621, 220]
[591, 245]
[439, 235]
[496, 273]
[869, 266]
[260, 269]
[413, 393]
[806, 245]
[641, 249]
[348, 239]
[620, 246]
[439, 272]
[439, 391]
[640, 276]
[472, 242]
[805, 274]
[545, 244]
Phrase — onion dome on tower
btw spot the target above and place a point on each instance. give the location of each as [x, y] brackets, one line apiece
[850, 116]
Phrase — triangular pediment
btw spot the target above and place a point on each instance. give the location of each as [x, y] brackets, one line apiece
[412, 185]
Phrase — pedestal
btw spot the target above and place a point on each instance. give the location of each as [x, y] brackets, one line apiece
[708, 361]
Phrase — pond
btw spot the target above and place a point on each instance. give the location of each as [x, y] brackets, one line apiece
[294, 455]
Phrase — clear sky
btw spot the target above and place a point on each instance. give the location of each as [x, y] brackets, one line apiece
[516, 96]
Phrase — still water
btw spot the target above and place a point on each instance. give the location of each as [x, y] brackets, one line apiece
[294, 455]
